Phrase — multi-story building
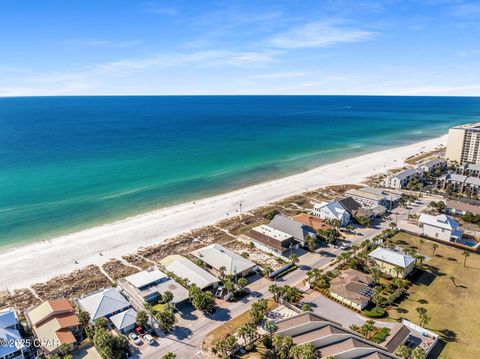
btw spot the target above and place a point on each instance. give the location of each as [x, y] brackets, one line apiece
[464, 144]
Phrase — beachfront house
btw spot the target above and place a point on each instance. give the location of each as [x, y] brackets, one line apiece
[440, 227]
[352, 288]
[459, 208]
[150, 285]
[433, 166]
[12, 344]
[391, 262]
[368, 198]
[221, 259]
[186, 269]
[55, 324]
[274, 241]
[104, 304]
[401, 179]
[299, 231]
[356, 210]
[312, 221]
[332, 210]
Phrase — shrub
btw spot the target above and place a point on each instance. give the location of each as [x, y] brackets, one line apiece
[381, 335]
[267, 342]
[376, 312]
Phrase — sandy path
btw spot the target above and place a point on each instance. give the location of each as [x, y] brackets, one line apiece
[33, 263]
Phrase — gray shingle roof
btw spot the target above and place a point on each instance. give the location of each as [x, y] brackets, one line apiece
[296, 229]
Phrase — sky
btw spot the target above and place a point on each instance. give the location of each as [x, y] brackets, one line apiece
[201, 47]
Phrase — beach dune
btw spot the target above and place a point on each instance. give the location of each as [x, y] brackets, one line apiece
[38, 262]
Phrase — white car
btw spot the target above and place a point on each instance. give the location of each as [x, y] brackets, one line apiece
[345, 246]
[149, 339]
[135, 338]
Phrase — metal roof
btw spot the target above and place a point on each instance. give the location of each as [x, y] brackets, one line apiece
[184, 268]
[440, 221]
[145, 278]
[124, 319]
[218, 256]
[392, 257]
[101, 304]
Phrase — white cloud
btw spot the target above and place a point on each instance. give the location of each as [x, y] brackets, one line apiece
[199, 58]
[319, 34]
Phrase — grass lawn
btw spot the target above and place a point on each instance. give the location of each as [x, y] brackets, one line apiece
[454, 305]
[160, 307]
[231, 326]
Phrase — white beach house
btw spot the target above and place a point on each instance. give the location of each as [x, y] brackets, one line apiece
[185, 268]
[332, 210]
[218, 257]
[441, 227]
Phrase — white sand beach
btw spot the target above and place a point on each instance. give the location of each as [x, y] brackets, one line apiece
[38, 262]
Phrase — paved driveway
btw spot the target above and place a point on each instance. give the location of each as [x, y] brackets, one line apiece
[335, 311]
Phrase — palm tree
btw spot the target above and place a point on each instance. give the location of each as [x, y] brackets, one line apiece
[222, 271]
[270, 327]
[466, 254]
[421, 241]
[293, 258]
[434, 248]
[267, 271]
[276, 292]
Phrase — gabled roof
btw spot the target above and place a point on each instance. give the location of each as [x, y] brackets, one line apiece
[296, 229]
[405, 174]
[312, 221]
[335, 207]
[101, 304]
[8, 318]
[365, 194]
[218, 256]
[431, 163]
[48, 309]
[124, 319]
[185, 268]
[463, 206]
[52, 322]
[392, 257]
[440, 221]
[472, 167]
[145, 278]
[474, 181]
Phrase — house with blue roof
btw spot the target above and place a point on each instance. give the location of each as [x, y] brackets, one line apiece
[11, 346]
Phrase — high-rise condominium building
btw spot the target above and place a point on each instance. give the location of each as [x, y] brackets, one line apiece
[464, 144]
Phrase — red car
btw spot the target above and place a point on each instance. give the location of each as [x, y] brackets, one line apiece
[140, 331]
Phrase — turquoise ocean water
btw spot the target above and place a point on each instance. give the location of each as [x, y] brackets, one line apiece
[69, 163]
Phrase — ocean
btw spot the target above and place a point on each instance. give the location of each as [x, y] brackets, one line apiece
[70, 163]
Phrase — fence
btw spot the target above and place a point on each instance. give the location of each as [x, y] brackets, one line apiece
[424, 332]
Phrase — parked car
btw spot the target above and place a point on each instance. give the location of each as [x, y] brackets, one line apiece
[345, 246]
[135, 338]
[220, 292]
[149, 339]
[140, 331]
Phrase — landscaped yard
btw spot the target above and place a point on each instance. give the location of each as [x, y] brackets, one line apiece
[451, 294]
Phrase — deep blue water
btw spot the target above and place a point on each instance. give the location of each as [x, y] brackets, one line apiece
[68, 163]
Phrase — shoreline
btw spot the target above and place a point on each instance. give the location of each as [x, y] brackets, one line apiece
[32, 263]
